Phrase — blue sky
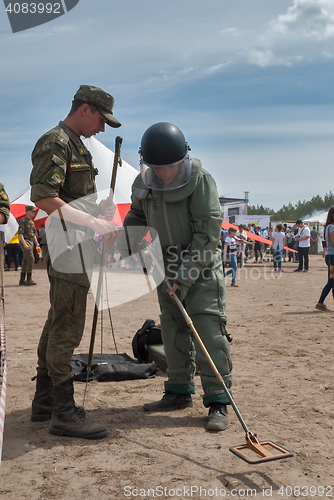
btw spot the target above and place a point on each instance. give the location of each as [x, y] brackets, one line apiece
[248, 83]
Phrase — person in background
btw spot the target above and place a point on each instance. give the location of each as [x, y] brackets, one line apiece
[41, 232]
[258, 245]
[314, 235]
[230, 253]
[303, 239]
[28, 241]
[279, 241]
[4, 205]
[323, 242]
[290, 241]
[13, 250]
[329, 259]
[242, 237]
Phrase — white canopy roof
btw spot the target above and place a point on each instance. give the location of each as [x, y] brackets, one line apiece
[321, 218]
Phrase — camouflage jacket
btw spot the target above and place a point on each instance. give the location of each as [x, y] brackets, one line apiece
[63, 167]
[27, 228]
[4, 203]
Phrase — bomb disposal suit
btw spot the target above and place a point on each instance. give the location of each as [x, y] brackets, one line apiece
[185, 212]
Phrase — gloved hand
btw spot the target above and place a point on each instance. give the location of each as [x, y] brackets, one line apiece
[179, 289]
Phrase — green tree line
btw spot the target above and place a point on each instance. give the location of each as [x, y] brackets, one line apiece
[298, 211]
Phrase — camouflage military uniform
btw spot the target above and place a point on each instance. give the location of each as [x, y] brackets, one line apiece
[28, 230]
[188, 222]
[63, 167]
[4, 203]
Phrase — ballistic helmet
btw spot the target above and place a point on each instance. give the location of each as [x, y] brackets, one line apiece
[165, 162]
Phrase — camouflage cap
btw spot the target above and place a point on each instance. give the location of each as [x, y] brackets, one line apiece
[101, 99]
[31, 208]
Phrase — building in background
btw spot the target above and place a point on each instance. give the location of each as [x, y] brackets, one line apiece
[231, 208]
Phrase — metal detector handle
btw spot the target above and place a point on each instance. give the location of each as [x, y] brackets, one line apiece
[198, 338]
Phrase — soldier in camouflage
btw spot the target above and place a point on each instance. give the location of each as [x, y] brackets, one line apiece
[4, 205]
[28, 241]
[63, 173]
[176, 197]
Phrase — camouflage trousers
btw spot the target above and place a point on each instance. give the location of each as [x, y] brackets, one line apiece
[204, 303]
[28, 257]
[63, 329]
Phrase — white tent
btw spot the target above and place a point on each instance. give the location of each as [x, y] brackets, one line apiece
[321, 218]
[103, 159]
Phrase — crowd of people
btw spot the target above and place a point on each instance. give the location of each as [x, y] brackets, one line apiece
[286, 243]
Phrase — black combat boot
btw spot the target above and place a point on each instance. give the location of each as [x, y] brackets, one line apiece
[29, 281]
[69, 420]
[170, 402]
[41, 408]
[217, 417]
[22, 279]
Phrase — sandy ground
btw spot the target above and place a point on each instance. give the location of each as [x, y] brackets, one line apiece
[283, 385]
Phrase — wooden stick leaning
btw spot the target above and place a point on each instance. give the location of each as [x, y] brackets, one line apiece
[117, 161]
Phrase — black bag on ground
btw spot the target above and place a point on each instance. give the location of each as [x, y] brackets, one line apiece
[147, 335]
[110, 367]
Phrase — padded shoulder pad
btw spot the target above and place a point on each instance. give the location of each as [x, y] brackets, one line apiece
[139, 189]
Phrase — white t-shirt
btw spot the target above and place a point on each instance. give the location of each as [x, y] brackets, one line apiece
[302, 232]
[242, 233]
[278, 240]
[232, 245]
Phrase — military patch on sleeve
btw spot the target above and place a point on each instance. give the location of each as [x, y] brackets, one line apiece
[79, 166]
[4, 195]
[55, 177]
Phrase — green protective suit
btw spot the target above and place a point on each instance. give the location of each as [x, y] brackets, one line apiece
[188, 222]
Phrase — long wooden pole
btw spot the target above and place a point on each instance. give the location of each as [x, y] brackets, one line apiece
[117, 161]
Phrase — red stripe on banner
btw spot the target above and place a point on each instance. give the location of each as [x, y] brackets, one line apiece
[252, 236]
[4, 376]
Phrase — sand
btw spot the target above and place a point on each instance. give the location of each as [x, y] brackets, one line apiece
[283, 386]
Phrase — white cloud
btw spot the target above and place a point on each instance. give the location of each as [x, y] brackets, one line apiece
[231, 31]
[303, 33]
[311, 18]
[264, 58]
